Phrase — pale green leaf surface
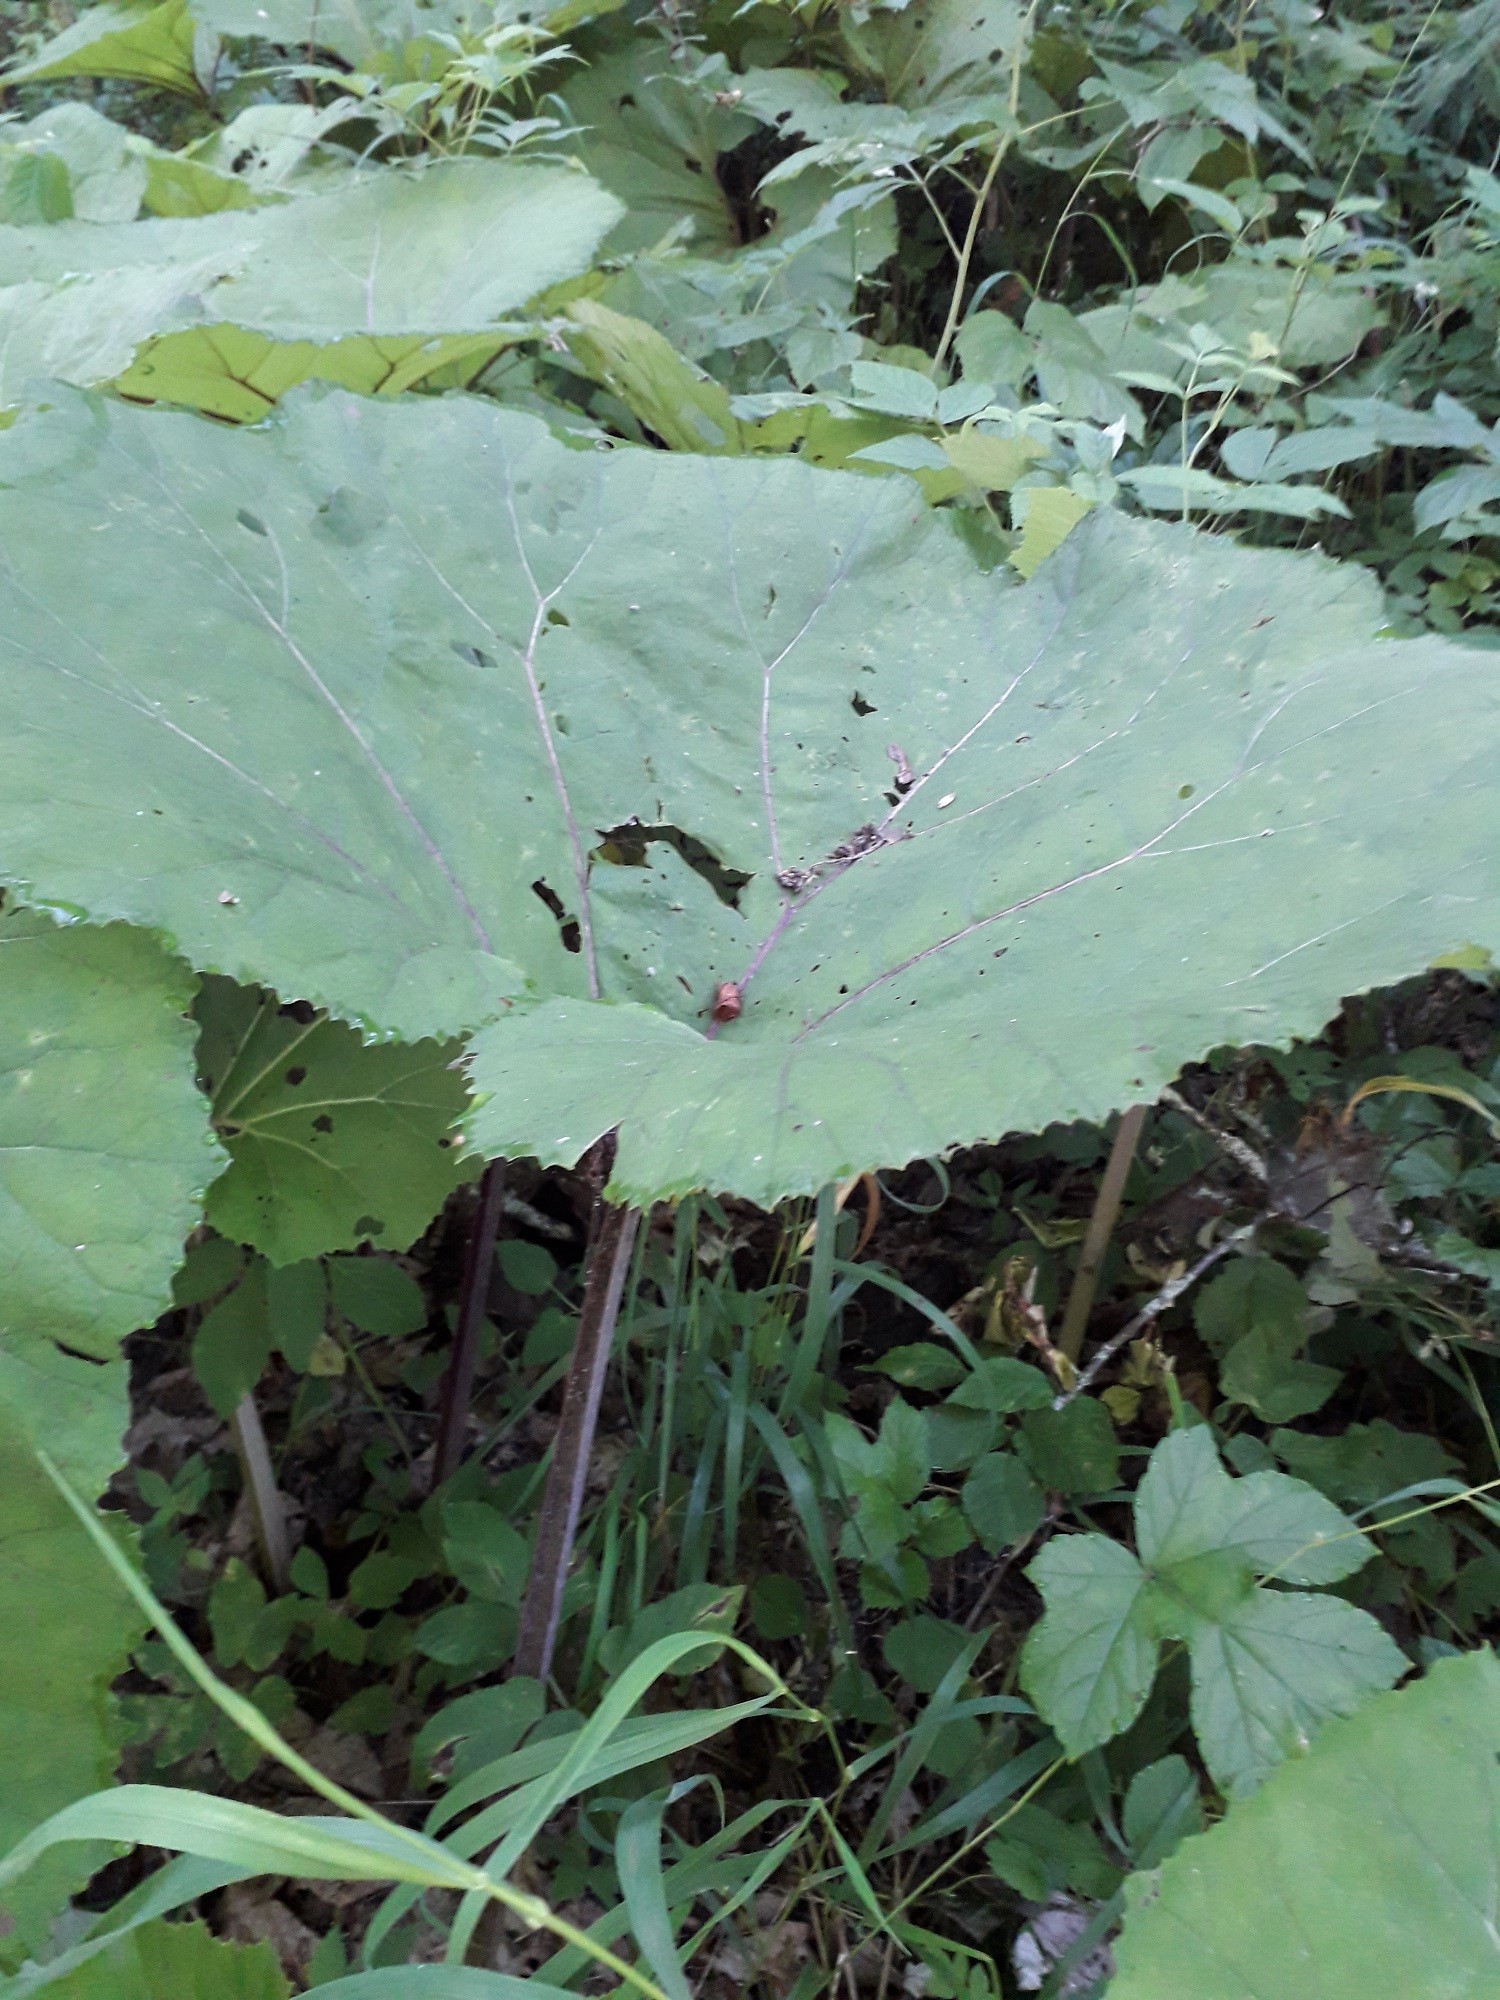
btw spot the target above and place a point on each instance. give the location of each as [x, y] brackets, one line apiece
[163, 1961]
[104, 1152]
[331, 1141]
[66, 1630]
[137, 42]
[1089, 1664]
[1270, 1671]
[1187, 1504]
[450, 249]
[349, 796]
[1367, 1870]
[104, 1155]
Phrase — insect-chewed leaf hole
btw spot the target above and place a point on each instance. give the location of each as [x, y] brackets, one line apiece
[628, 846]
[572, 936]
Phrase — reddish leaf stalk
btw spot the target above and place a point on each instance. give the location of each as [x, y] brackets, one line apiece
[458, 1382]
[611, 1241]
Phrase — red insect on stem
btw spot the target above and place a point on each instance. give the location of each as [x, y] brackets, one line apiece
[727, 1002]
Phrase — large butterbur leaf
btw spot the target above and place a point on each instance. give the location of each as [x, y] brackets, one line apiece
[104, 1152]
[416, 722]
[373, 268]
[1367, 1870]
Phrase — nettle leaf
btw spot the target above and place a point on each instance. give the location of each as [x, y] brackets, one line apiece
[447, 250]
[407, 673]
[1367, 1870]
[1268, 1667]
[332, 1141]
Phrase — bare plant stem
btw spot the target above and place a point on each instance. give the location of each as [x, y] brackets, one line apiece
[1154, 1307]
[612, 1239]
[264, 1494]
[458, 1382]
[1101, 1228]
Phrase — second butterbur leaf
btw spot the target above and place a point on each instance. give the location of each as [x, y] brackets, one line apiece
[332, 1140]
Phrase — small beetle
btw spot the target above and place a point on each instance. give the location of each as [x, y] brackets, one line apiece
[726, 1005]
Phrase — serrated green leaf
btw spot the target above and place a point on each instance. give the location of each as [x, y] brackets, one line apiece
[1366, 1870]
[184, 1961]
[332, 1141]
[135, 42]
[386, 879]
[65, 1633]
[1003, 1384]
[1365, 1462]
[1089, 1664]
[1074, 1449]
[1187, 1505]
[104, 1154]
[1271, 1670]
[1268, 1667]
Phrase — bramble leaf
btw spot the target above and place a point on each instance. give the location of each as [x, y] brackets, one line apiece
[1268, 1667]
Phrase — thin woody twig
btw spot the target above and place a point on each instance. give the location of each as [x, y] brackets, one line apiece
[1154, 1307]
[266, 1507]
[1239, 1151]
[1100, 1229]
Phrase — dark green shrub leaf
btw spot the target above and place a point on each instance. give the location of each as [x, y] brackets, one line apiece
[1074, 1449]
[922, 1649]
[1002, 1500]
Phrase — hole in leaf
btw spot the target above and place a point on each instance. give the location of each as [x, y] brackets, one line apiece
[369, 1225]
[556, 617]
[860, 706]
[472, 655]
[628, 846]
[251, 521]
[296, 1074]
[572, 936]
[323, 1123]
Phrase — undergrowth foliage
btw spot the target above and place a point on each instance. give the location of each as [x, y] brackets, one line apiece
[702, 708]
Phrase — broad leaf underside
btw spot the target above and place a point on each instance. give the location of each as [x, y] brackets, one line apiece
[403, 679]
